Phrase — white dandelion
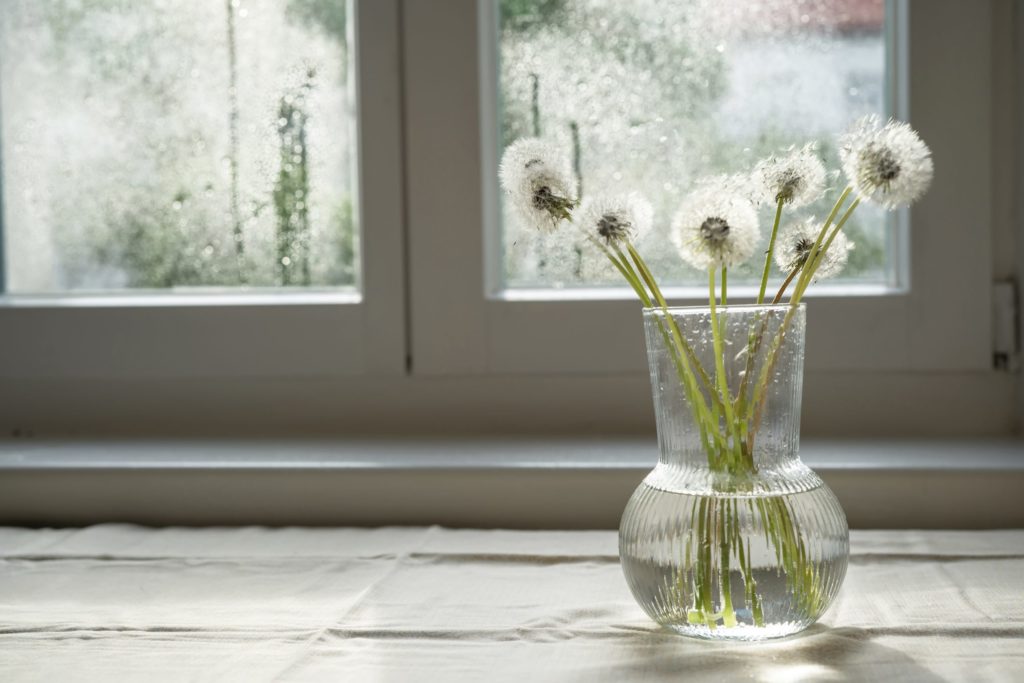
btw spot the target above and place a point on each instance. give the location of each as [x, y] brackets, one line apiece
[796, 178]
[615, 218]
[889, 165]
[538, 178]
[797, 240]
[715, 227]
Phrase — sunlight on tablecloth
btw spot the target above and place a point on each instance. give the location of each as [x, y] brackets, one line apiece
[118, 602]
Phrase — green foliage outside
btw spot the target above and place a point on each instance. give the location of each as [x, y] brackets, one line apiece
[166, 221]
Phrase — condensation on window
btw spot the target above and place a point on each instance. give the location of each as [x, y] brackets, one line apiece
[650, 95]
[156, 144]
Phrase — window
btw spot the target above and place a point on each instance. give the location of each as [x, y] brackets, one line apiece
[150, 145]
[652, 96]
[186, 193]
[422, 308]
[873, 346]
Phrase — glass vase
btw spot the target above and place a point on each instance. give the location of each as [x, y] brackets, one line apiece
[731, 536]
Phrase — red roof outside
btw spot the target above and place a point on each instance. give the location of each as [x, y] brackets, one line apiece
[784, 16]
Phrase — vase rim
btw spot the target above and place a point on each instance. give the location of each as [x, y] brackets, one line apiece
[651, 310]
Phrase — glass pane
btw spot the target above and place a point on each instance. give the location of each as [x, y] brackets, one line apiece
[171, 144]
[652, 95]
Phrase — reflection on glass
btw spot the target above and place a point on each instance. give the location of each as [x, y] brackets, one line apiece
[193, 143]
[651, 95]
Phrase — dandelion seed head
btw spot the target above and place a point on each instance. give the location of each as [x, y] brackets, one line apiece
[796, 241]
[538, 178]
[715, 227]
[797, 178]
[615, 218]
[889, 165]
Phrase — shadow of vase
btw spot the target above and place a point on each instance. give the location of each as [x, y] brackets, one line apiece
[820, 653]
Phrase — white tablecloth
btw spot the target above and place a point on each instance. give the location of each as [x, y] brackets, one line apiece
[410, 604]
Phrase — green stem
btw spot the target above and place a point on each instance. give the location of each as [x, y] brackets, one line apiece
[703, 612]
[723, 386]
[813, 253]
[684, 347]
[725, 286]
[682, 368]
[785, 284]
[806, 272]
[754, 341]
[645, 273]
[685, 351]
[744, 556]
[820, 256]
[810, 266]
[770, 252]
[758, 398]
[724, 582]
[623, 268]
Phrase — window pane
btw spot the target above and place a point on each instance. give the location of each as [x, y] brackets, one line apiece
[193, 143]
[652, 95]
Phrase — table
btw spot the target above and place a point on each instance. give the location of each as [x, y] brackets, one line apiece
[118, 602]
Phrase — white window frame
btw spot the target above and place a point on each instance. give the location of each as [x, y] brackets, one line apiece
[425, 350]
[889, 346]
[135, 336]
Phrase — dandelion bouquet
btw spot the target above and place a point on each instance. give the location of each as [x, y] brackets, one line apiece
[747, 541]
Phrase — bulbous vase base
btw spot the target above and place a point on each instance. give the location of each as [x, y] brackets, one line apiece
[722, 566]
[743, 632]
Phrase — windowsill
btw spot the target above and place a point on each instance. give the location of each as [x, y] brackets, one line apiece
[696, 294]
[510, 482]
[434, 453]
[193, 296]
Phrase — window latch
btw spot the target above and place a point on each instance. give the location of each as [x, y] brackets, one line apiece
[1006, 326]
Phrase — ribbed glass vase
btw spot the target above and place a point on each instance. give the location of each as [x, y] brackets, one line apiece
[731, 536]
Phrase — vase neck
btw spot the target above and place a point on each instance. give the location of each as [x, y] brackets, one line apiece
[727, 386]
